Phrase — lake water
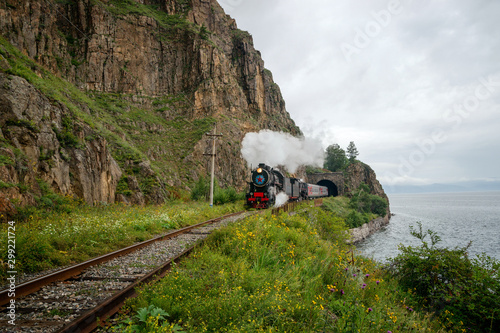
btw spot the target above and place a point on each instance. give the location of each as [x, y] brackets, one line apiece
[457, 218]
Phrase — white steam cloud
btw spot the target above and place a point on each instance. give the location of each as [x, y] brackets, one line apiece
[281, 199]
[278, 148]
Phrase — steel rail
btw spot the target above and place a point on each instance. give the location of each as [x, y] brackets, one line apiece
[36, 284]
[89, 321]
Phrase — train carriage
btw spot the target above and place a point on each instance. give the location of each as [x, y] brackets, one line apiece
[311, 191]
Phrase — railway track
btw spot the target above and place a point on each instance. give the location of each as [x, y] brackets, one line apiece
[73, 299]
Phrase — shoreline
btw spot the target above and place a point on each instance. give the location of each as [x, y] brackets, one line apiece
[366, 230]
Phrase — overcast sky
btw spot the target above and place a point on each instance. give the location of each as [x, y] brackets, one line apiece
[415, 84]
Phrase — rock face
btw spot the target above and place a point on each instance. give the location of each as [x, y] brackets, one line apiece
[98, 99]
[35, 126]
[7, 209]
[108, 46]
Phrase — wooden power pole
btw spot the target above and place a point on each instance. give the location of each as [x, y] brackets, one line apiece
[214, 137]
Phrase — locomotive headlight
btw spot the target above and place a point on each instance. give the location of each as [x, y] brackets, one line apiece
[259, 170]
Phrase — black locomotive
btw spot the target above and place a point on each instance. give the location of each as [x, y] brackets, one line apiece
[266, 183]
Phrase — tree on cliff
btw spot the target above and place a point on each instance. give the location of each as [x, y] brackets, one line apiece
[352, 152]
[335, 159]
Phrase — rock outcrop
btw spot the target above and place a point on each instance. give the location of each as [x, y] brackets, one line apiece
[45, 147]
[359, 173]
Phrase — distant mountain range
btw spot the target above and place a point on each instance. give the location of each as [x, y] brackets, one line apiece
[466, 186]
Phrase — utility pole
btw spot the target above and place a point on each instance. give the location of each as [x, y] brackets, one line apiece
[214, 137]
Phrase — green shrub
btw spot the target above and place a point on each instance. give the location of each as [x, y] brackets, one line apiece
[47, 203]
[150, 319]
[464, 293]
[45, 155]
[204, 32]
[378, 205]
[364, 202]
[147, 184]
[222, 196]
[361, 199]
[122, 186]
[6, 160]
[34, 253]
[65, 136]
[6, 185]
[201, 189]
[29, 124]
[356, 219]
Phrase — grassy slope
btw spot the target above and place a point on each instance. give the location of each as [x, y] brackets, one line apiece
[277, 274]
[86, 232]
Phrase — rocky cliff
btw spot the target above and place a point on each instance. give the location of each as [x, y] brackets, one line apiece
[110, 99]
[359, 173]
[355, 175]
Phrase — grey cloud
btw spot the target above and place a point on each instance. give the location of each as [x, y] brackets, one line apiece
[398, 89]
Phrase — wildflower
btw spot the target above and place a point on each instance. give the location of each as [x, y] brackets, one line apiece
[367, 275]
[378, 281]
[364, 285]
[354, 275]
[370, 309]
[341, 291]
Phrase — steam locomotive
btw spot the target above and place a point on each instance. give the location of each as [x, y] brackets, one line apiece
[266, 183]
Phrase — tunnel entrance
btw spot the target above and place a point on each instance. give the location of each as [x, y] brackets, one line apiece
[332, 188]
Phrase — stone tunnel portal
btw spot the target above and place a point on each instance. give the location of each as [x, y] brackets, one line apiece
[334, 181]
[332, 188]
